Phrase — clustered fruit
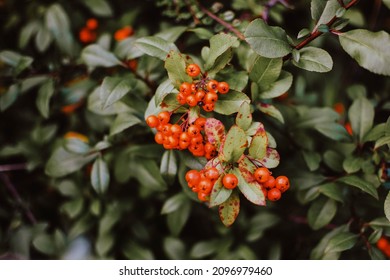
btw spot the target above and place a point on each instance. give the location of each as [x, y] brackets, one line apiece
[202, 182]
[181, 136]
[384, 245]
[123, 33]
[203, 92]
[88, 32]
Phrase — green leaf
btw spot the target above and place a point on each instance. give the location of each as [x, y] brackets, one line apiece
[282, 85]
[155, 46]
[387, 206]
[341, 242]
[303, 33]
[376, 254]
[219, 44]
[244, 116]
[219, 194]
[333, 131]
[177, 219]
[134, 251]
[174, 248]
[203, 249]
[169, 166]
[315, 60]
[382, 141]
[202, 33]
[171, 34]
[312, 159]
[375, 133]
[233, 145]
[170, 103]
[355, 181]
[259, 144]
[163, 90]
[45, 92]
[387, 3]
[76, 146]
[215, 131]
[361, 114]
[127, 49]
[251, 189]
[45, 244]
[73, 207]
[333, 191]
[27, 31]
[99, 7]
[15, 60]
[352, 164]
[62, 162]
[94, 104]
[321, 212]
[319, 251]
[381, 222]
[334, 160]
[95, 56]
[328, 12]
[228, 211]
[317, 7]
[123, 121]
[271, 111]
[175, 64]
[220, 63]
[100, 176]
[369, 49]
[113, 89]
[230, 103]
[271, 159]
[174, 203]
[43, 39]
[266, 40]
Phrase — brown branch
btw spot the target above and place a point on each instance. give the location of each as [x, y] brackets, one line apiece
[12, 167]
[11, 188]
[222, 22]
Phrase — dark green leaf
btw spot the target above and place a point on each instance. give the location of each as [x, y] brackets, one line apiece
[312, 159]
[202, 33]
[100, 176]
[171, 34]
[387, 206]
[104, 244]
[174, 203]
[113, 89]
[174, 248]
[333, 131]
[334, 160]
[375, 133]
[98, 7]
[355, 181]
[303, 33]
[314, 59]
[321, 212]
[169, 166]
[265, 71]
[282, 85]
[177, 219]
[230, 103]
[45, 244]
[341, 242]
[95, 56]
[45, 92]
[380, 222]
[352, 164]
[328, 12]
[123, 121]
[233, 145]
[270, 110]
[317, 7]
[382, 141]
[376, 254]
[175, 64]
[333, 191]
[155, 46]
[361, 114]
[219, 194]
[73, 207]
[244, 116]
[134, 251]
[219, 44]
[94, 104]
[43, 39]
[228, 211]
[163, 90]
[369, 49]
[319, 251]
[266, 40]
[203, 249]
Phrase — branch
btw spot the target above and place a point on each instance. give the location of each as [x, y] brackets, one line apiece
[13, 167]
[11, 188]
[222, 22]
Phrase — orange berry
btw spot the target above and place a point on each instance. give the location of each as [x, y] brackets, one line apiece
[382, 243]
[212, 86]
[223, 87]
[76, 135]
[123, 33]
[270, 183]
[210, 98]
[282, 183]
[193, 177]
[193, 70]
[205, 185]
[181, 99]
[194, 87]
[197, 140]
[185, 137]
[262, 174]
[208, 107]
[191, 100]
[159, 138]
[166, 130]
[183, 145]
[152, 121]
[199, 95]
[203, 196]
[212, 173]
[132, 64]
[274, 194]
[92, 24]
[164, 117]
[348, 127]
[193, 130]
[176, 130]
[230, 181]
[185, 89]
[209, 148]
[87, 36]
[200, 122]
[339, 108]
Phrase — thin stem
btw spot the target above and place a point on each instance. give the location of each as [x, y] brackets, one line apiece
[13, 167]
[222, 22]
[192, 12]
[11, 188]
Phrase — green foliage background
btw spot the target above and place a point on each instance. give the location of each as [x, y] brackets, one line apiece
[120, 196]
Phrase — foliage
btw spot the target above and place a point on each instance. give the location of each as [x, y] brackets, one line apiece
[82, 177]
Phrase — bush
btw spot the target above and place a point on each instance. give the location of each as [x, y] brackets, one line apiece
[83, 85]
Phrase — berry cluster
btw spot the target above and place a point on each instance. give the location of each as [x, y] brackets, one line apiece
[203, 92]
[202, 182]
[384, 245]
[272, 187]
[123, 33]
[88, 32]
[183, 136]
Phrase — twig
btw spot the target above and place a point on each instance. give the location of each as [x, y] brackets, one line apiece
[222, 22]
[270, 4]
[11, 188]
[12, 167]
[191, 10]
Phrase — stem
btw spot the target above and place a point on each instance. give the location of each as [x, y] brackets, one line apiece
[12, 167]
[222, 22]
[191, 10]
[375, 13]
[11, 188]
[269, 5]
[316, 33]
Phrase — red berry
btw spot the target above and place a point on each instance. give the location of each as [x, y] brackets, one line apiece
[230, 181]
[212, 86]
[185, 137]
[270, 183]
[185, 88]
[210, 98]
[191, 100]
[164, 117]
[199, 95]
[193, 70]
[282, 183]
[205, 185]
[152, 121]
[193, 177]
[166, 129]
[159, 138]
[176, 130]
[262, 174]
[203, 196]
[181, 99]
[223, 87]
[382, 243]
[209, 148]
[92, 24]
[200, 122]
[193, 130]
[208, 107]
[274, 194]
[212, 173]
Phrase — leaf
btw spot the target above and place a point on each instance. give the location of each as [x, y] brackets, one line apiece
[266, 40]
[312, 159]
[228, 211]
[244, 116]
[319, 251]
[282, 85]
[361, 115]
[387, 206]
[155, 46]
[265, 71]
[382, 141]
[270, 110]
[127, 49]
[203, 249]
[123, 121]
[219, 44]
[248, 186]
[271, 159]
[220, 63]
[163, 90]
[352, 164]
[355, 181]
[369, 49]
[174, 203]
[333, 131]
[315, 60]
[100, 176]
[219, 193]
[43, 39]
[27, 31]
[328, 12]
[113, 89]
[99, 7]
[333, 191]
[76, 146]
[175, 64]
[233, 145]
[169, 166]
[321, 212]
[341, 242]
[177, 220]
[45, 92]
[230, 103]
[215, 131]
[375, 133]
[44, 243]
[202, 33]
[171, 34]
[94, 105]
[95, 56]
[381, 222]
[317, 7]
[387, 3]
[62, 162]
[174, 248]
[259, 144]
